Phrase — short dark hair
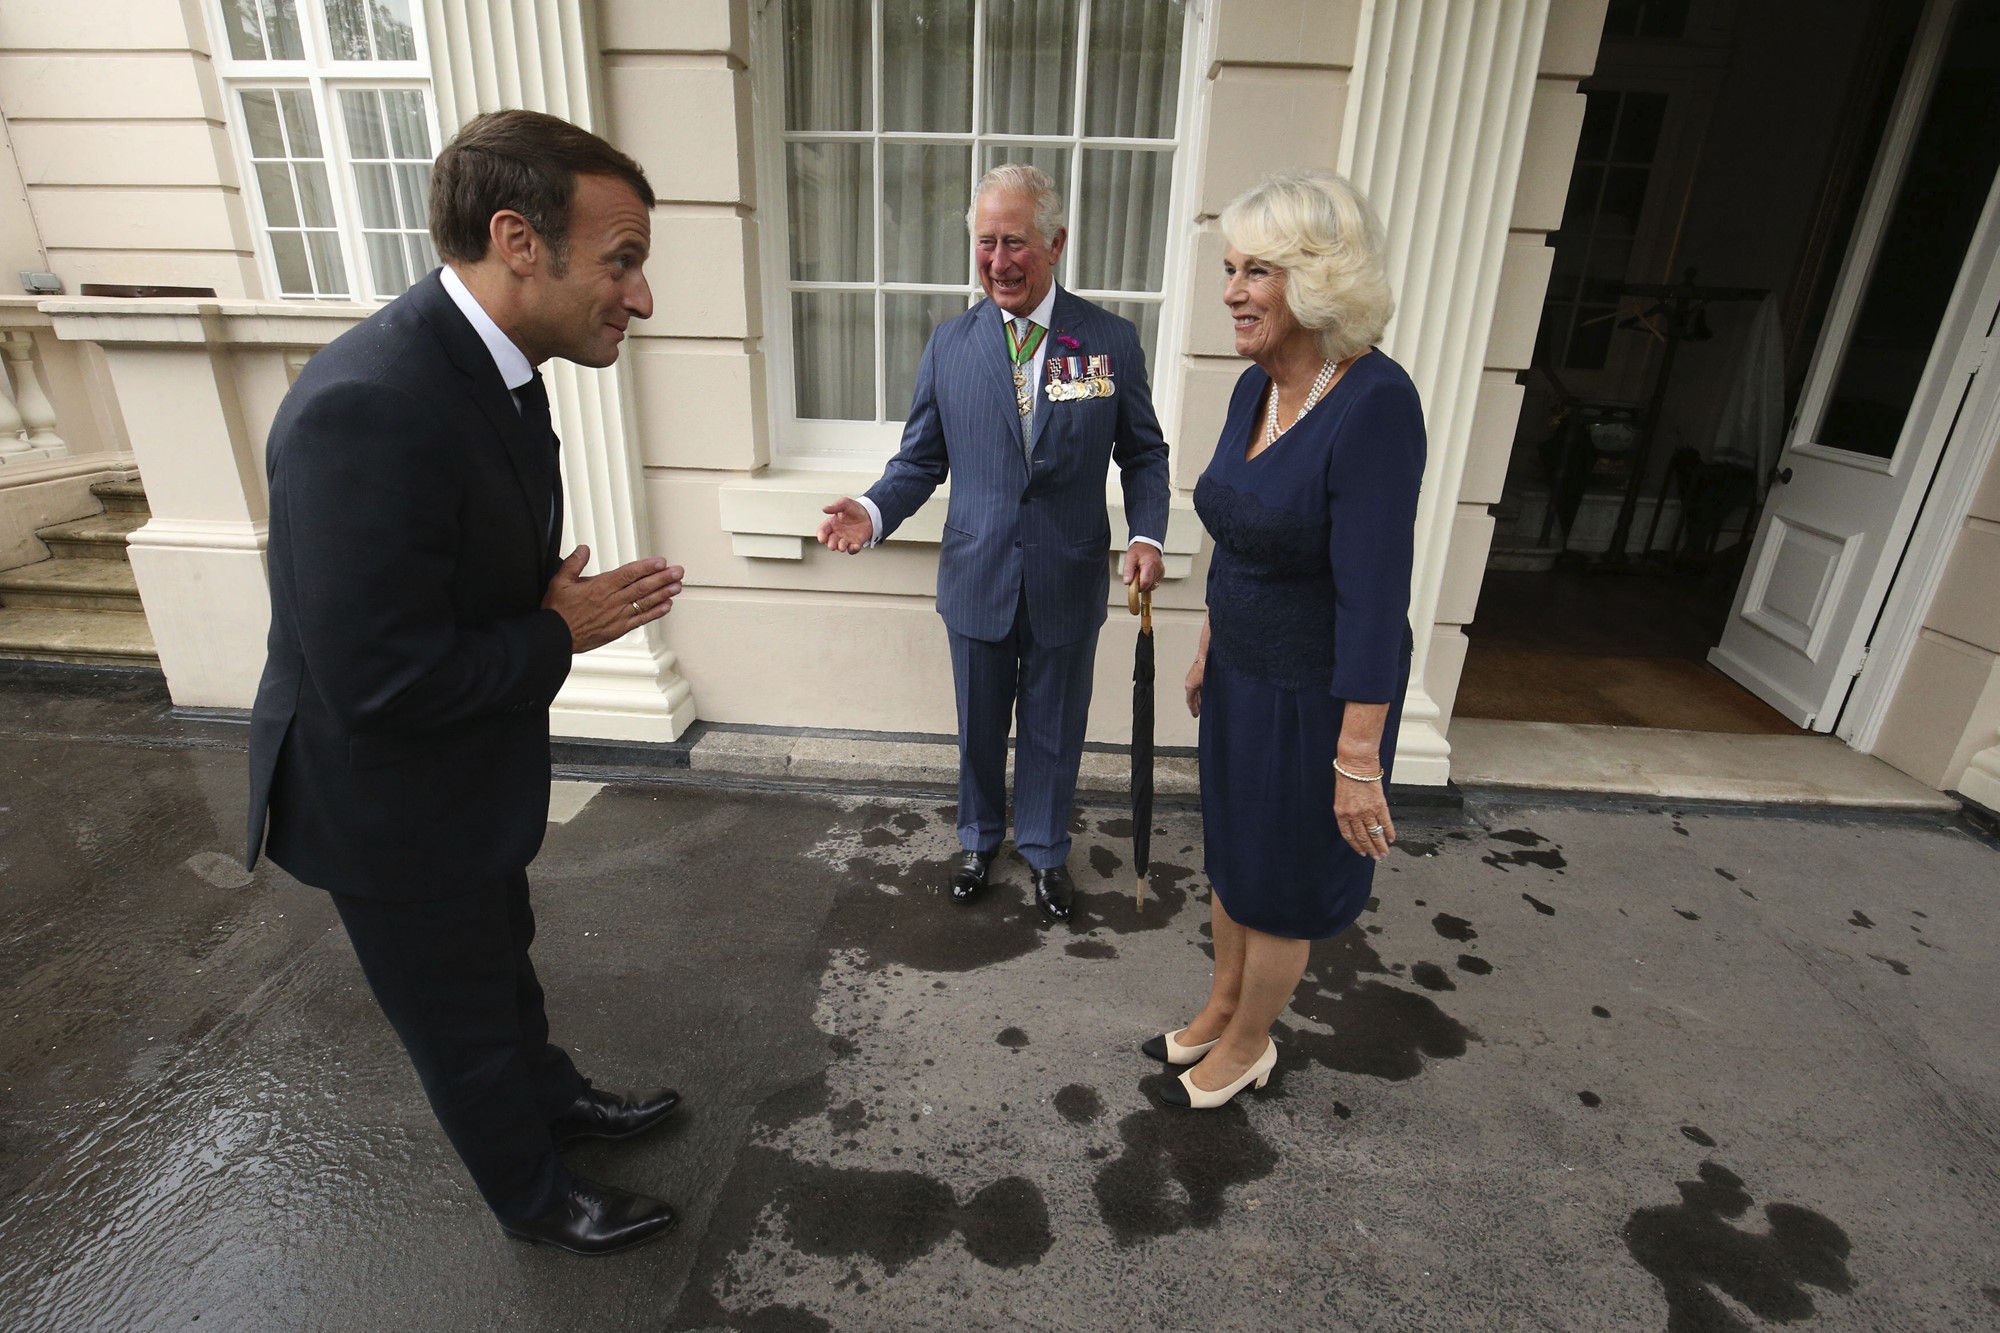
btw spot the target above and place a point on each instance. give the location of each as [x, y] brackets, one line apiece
[524, 161]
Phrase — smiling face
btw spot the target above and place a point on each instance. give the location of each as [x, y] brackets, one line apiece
[1016, 266]
[1254, 291]
[581, 312]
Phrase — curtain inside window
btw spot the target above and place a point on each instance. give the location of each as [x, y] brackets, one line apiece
[872, 208]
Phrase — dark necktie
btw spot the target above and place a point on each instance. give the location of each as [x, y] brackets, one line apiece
[535, 416]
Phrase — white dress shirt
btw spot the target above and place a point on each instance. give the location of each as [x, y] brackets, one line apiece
[513, 364]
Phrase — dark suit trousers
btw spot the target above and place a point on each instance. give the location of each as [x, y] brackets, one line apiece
[1045, 692]
[454, 979]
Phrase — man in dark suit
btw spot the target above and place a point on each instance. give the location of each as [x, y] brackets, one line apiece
[1024, 401]
[422, 619]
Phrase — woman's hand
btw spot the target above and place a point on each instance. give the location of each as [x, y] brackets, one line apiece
[1193, 685]
[1362, 812]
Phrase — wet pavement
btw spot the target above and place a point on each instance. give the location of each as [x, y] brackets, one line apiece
[1579, 1067]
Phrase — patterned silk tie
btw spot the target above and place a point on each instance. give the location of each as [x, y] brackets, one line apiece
[1024, 336]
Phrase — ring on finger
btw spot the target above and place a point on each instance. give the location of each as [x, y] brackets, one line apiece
[635, 608]
[1375, 830]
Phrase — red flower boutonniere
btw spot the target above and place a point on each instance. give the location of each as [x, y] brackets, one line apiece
[1067, 341]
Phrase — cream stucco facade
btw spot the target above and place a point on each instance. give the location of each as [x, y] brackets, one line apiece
[1460, 119]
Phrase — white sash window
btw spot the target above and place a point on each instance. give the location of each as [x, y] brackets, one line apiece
[878, 115]
[330, 106]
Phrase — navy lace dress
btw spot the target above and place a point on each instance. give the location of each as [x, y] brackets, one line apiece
[1308, 600]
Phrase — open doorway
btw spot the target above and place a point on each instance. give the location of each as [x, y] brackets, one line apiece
[1734, 157]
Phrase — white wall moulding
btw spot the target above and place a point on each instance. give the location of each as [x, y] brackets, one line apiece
[544, 55]
[1435, 139]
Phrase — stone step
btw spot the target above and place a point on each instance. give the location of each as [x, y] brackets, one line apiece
[98, 537]
[82, 585]
[103, 638]
[121, 497]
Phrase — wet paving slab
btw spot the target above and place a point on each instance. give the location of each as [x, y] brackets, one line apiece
[1576, 1068]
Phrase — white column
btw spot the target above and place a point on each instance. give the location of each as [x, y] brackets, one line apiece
[542, 55]
[1435, 137]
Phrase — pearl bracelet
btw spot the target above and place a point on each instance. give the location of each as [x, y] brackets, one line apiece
[1377, 777]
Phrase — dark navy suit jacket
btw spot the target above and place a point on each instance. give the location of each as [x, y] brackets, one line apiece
[1005, 526]
[400, 739]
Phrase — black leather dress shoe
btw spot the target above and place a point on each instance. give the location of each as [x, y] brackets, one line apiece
[610, 1115]
[596, 1219]
[968, 874]
[1055, 893]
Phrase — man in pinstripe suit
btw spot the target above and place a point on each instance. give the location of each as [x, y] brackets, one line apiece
[1024, 401]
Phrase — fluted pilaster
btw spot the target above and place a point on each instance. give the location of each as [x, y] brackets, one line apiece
[1436, 130]
[542, 55]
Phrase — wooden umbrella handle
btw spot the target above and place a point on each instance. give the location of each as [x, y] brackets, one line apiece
[1140, 604]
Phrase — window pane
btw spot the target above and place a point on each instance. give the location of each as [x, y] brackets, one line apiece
[924, 190]
[927, 63]
[327, 263]
[832, 211]
[1938, 202]
[409, 135]
[281, 25]
[246, 34]
[1121, 221]
[385, 264]
[274, 184]
[260, 120]
[833, 355]
[294, 275]
[301, 125]
[347, 29]
[828, 59]
[315, 200]
[394, 39]
[1135, 67]
[377, 188]
[422, 257]
[363, 115]
[1030, 66]
[907, 324]
[1054, 161]
[1146, 314]
[413, 188]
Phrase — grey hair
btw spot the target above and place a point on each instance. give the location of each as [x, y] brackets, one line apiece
[1020, 178]
[1318, 229]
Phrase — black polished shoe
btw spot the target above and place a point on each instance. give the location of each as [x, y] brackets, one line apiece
[596, 1219]
[609, 1115]
[968, 874]
[1055, 893]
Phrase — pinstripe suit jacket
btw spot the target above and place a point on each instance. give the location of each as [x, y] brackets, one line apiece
[1008, 526]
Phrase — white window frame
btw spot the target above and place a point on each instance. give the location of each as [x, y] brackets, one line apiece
[323, 78]
[836, 445]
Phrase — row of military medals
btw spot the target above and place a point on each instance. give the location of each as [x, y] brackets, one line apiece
[1073, 378]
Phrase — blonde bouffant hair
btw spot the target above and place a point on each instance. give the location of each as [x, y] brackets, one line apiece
[1317, 228]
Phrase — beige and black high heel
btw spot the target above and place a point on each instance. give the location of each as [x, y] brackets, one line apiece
[1168, 1051]
[1183, 1091]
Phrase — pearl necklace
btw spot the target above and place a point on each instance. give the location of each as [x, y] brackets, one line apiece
[1319, 384]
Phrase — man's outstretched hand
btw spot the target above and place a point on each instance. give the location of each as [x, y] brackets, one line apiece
[847, 527]
[607, 606]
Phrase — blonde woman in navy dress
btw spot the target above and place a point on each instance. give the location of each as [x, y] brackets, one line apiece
[1311, 500]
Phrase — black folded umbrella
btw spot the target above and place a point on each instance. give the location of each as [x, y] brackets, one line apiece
[1141, 605]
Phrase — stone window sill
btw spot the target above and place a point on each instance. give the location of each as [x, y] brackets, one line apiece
[774, 514]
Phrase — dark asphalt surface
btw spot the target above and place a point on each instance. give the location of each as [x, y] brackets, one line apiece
[1580, 1068]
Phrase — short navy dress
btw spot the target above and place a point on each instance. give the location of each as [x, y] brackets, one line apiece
[1308, 607]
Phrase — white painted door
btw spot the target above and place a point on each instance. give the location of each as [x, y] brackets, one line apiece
[1909, 326]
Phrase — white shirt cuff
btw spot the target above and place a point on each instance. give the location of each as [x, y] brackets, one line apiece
[1134, 542]
[874, 517]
